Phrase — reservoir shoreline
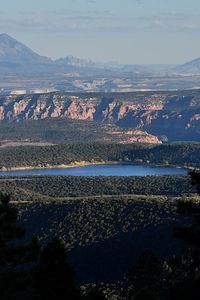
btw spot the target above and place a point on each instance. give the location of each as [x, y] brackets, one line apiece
[84, 168]
[86, 163]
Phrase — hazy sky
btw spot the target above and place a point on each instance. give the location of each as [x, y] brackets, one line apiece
[127, 31]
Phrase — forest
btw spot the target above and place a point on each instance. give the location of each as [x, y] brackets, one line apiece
[36, 188]
[178, 154]
[60, 130]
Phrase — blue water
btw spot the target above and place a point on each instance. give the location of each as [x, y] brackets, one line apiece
[101, 170]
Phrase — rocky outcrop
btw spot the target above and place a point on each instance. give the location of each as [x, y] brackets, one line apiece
[176, 116]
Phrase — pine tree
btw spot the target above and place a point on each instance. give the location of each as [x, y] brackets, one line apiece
[15, 257]
[54, 276]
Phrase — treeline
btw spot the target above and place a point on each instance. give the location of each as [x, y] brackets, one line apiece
[61, 154]
[34, 188]
[175, 154]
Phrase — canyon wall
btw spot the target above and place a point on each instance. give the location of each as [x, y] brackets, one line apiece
[174, 116]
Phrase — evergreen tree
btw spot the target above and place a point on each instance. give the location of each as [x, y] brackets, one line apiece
[145, 277]
[15, 257]
[94, 294]
[54, 276]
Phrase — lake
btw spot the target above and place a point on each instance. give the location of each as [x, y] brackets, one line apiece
[101, 170]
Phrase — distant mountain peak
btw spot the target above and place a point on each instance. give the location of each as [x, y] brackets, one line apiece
[16, 54]
[71, 60]
[7, 41]
[191, 67]
[5, 36]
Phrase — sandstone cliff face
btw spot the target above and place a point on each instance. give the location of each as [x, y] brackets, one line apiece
[173, 116]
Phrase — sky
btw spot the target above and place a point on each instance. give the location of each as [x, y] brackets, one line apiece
[125, 31]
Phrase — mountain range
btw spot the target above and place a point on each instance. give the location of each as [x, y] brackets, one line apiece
[15, 56]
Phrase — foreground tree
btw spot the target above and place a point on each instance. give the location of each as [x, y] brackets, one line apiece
[195, 176]
[54, 277]
[15, 257]
[26, 272]
[94, 294]
[146, 277]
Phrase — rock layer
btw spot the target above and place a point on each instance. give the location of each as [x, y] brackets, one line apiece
[175, 116]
